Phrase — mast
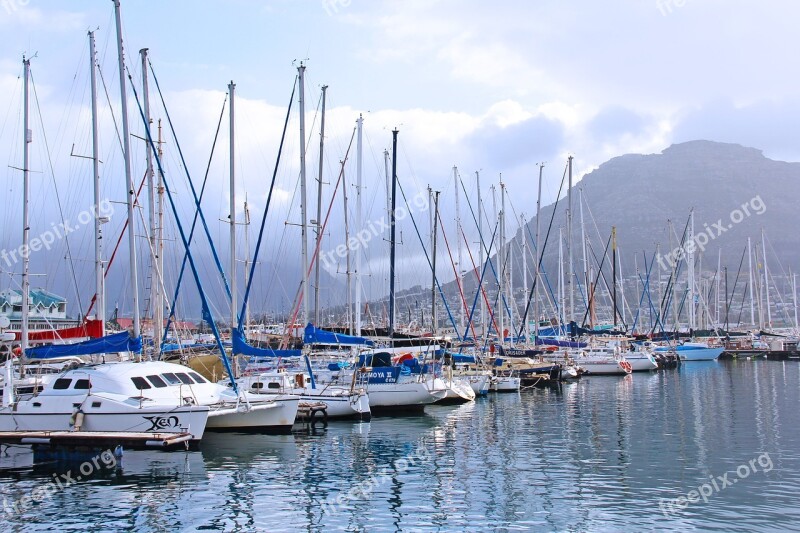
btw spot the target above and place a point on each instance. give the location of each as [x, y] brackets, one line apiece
[499, 255]
[231, 115]
[347, 239]
[583, 245]
[524, 244]
[246, 260]
[99, 289]
[155, 281]
[794, 298]
[719, 288]
[503, 264]
[318, 224]
[570, 267]
[538, 252]
[690, 272]
[131, 199]
[303, 206]
[359, 223]
[461, 317]
[614, 271]
[393, 229]
[560, 276]
[434, 318]
[766, 279]
[480, 248]
[27, 138]
[752, 287]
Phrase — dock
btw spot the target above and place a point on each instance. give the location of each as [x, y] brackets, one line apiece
[98, 440]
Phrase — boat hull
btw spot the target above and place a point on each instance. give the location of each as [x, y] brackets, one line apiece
[273, 416]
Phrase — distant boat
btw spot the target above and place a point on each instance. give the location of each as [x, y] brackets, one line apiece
[693, 351]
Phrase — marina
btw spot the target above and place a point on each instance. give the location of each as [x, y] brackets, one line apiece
[597, 454]
[290, 306]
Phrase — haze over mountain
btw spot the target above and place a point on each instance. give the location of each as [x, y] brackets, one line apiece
[735, 192]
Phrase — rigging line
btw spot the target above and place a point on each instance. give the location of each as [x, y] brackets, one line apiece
[191, 184]
[257, 249]
[110, 107]
[119, 241]
[203, 299]
[541, 255]
[296, 304]
[729, 303]
[171, 315]
[482, 243]
[58, 196]
[481, 290]
[430, 264]
[458, 278]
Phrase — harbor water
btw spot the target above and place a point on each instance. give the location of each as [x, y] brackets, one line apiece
[710, 446]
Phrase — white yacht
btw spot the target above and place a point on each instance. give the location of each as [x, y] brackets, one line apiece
[341, 402]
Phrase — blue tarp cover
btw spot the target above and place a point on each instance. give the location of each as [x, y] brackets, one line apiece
[240, 347]
[313, 335]
[118, 342]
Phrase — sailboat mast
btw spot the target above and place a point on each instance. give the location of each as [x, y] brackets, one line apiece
[155, 281]
[766, 279]
[480, 248]
[690, 271]
[246, 259]
[561, 276]
[538, 251]
[614, 271]
[318, 223]
[459, 270]
[570, 267]
[232, 171]
[26, 191]
[434, 316]
[583, 243]
[99, 289]
[524, 244]
[359, 223]
[503, 264]
[303, 206]
[348, 273]
[393, 230]
[131, 199]
[752, 287]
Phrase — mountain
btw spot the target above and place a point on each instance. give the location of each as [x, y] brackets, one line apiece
[735, 191]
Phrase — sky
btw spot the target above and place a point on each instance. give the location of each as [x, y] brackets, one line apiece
[494, 87]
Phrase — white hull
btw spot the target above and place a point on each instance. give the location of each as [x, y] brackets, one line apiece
[478, 383]
[342, 406]
[700, 354]
[273, 415]
[116, 417]
[505, 384]
[401, 395]
[603, 368]
[456, 391]
[641, 362]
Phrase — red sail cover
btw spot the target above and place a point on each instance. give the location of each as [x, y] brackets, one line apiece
[90, 328]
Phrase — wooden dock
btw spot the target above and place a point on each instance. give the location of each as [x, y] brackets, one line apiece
[98, 440]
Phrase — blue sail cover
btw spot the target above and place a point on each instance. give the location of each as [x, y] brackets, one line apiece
[313, 335]
[561, 343]
[118, 342]
[240, 347]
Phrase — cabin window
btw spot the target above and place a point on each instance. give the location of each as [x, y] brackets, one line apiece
[37, 404]
[197, 377]
[273, 385]
[61, 384]
[185, 379]
[140, 383]
[257, 385]
[171, 378]
[96, 404]
[82, 384]
[157, 382]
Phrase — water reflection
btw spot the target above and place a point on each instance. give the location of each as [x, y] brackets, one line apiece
[598, 454]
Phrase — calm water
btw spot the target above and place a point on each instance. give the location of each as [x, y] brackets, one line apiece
[605, 453]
